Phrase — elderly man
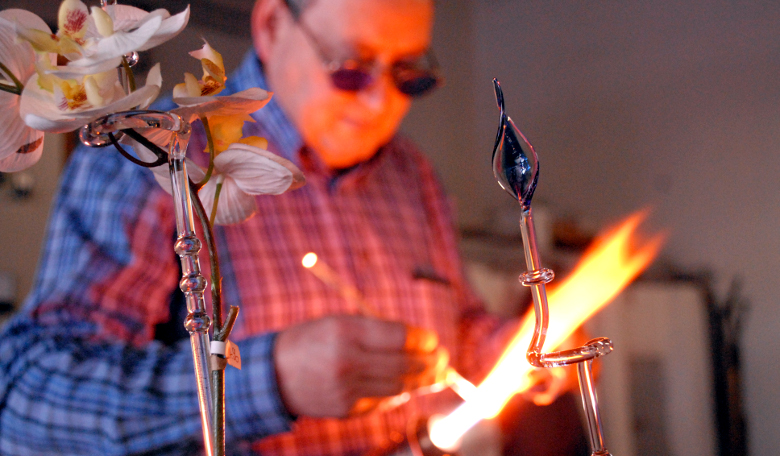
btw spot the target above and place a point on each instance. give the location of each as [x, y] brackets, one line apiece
[94, 364]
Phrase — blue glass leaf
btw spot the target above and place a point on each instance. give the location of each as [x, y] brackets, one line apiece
[515, 164]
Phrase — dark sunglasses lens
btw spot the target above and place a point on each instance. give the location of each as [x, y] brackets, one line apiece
[351, 79]
[418, 85]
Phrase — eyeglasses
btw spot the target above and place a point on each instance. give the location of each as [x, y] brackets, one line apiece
[412, 78]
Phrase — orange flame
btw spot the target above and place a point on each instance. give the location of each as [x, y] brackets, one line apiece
[608, 267]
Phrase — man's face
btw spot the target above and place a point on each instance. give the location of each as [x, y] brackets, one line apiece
[345, 128]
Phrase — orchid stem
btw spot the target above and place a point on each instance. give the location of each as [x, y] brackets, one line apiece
[216, 278]
[162, 156]
[221, 328]
[216, 203]
[128, 72]
[10, 89]
[212, 152]
[17, 87]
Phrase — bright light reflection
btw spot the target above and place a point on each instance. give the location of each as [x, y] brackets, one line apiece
[309, 260]
[608, 266]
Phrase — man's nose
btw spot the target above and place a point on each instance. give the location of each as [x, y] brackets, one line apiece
[377, 95]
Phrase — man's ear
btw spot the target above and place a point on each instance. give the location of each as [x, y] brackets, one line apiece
[265, 27]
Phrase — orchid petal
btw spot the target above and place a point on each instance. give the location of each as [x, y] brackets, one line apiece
[254, 141]
[18, 138]
[247, 101]
[163, 175]
[26, 155]
[189, 88]
[40, 40]
[256, 171]
[21, 146]
[118, 44]
[140, 22]
[169, 28]
[24, 19]
[70, 72]
[209, 53]
[39, 110]
[129, 17]
[72, 19]
[93, 92]
[235, 206]
[126, 17]
[103, 22]
[154, 79]
[18, 57]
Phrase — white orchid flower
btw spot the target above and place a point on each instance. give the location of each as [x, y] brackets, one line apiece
[57, 105]
[193, 91]
[244, 102]
[197, 98]
[242, 170]
[96, 41]
[21, 146]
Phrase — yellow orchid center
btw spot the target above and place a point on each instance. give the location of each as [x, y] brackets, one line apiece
[211, 85]
[74, 93]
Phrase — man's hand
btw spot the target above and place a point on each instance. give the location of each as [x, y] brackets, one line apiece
[325, 366]
[549, 384]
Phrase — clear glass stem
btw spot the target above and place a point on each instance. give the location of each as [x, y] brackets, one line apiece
[192, 283]
[187, 246]
[591, 406]
[535, 278]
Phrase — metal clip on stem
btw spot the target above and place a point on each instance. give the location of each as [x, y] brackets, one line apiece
[187, 245]
[516, 167]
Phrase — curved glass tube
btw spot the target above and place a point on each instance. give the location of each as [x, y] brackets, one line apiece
[95, 134]
[516, 168]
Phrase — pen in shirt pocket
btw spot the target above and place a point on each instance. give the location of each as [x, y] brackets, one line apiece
[427, 272]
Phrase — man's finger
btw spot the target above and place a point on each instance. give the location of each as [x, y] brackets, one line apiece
[420, 340]
[379, 335]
